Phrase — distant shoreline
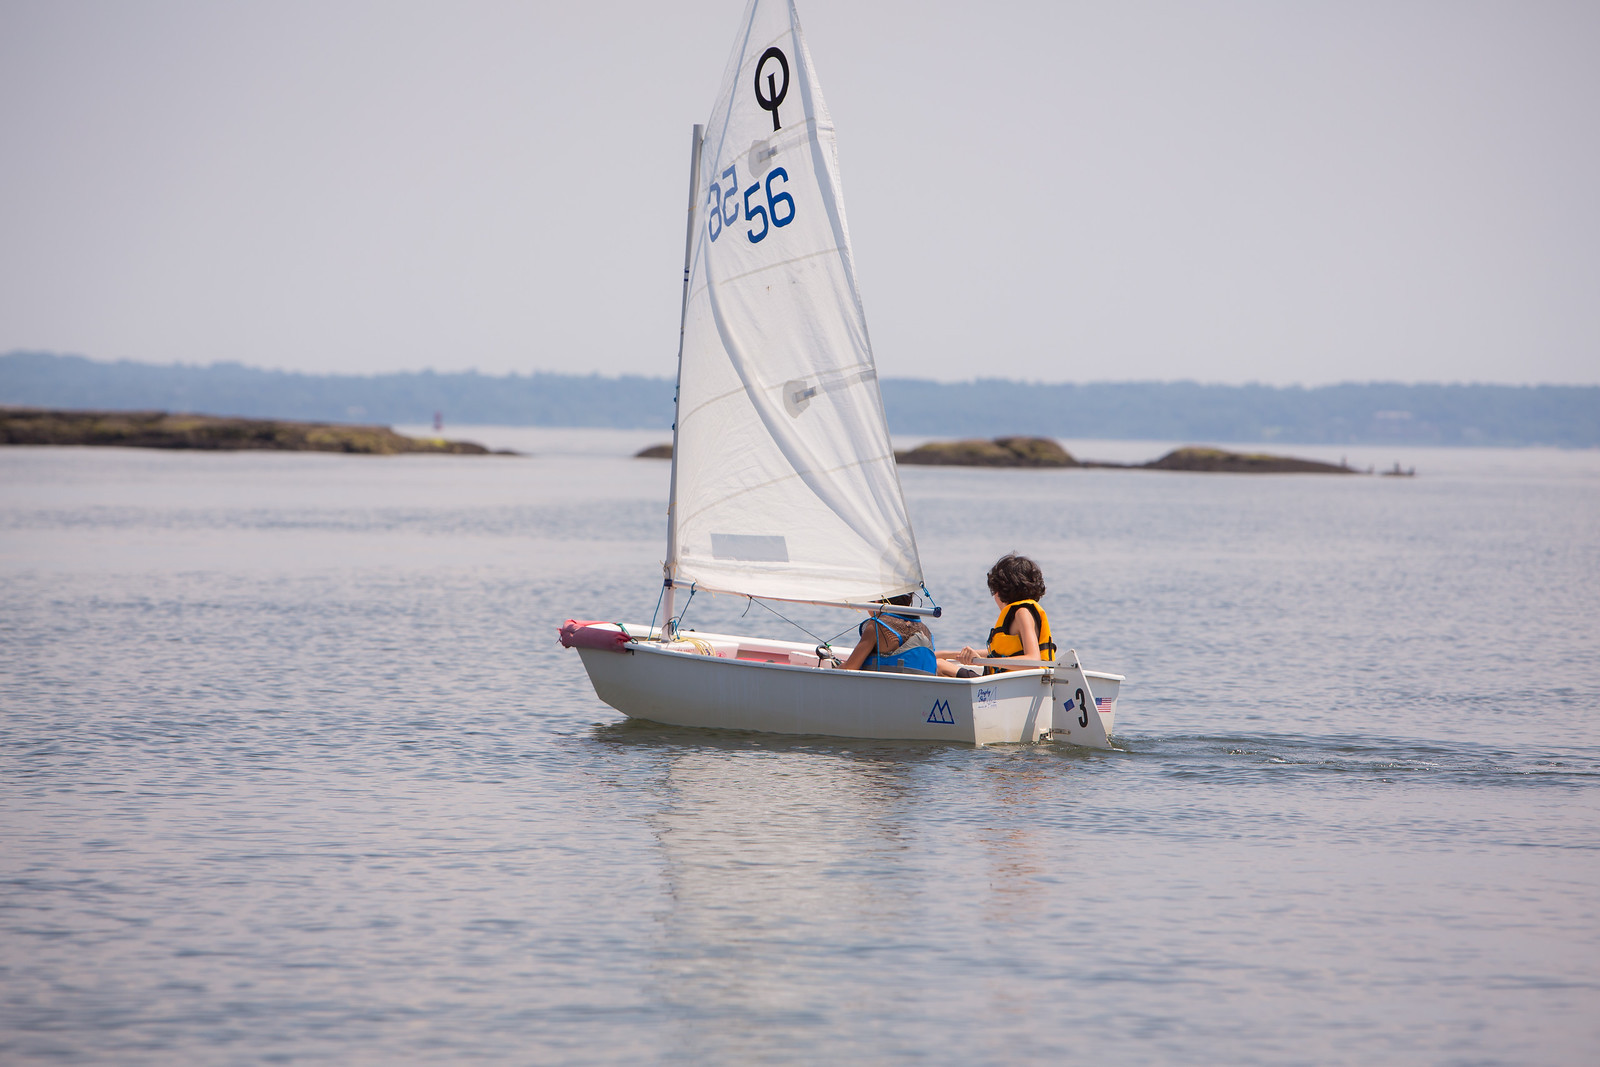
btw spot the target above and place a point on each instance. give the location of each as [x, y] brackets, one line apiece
[213, 433]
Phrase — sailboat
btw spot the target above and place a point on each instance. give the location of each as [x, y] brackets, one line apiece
[784, 485]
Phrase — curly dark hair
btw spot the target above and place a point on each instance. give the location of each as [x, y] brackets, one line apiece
[903, 600]
[1015, 578]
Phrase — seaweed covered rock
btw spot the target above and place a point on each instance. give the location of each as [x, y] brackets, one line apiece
[1037, 452]
[1043, 452]
[1219, 460]
[1001, 452]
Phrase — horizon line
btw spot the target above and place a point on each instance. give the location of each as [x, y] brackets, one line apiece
[1032, 382]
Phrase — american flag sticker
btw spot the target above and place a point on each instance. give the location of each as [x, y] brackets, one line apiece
[1101, 703]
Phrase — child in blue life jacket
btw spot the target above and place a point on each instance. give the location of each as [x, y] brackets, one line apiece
[1022, 629]
[893, 642]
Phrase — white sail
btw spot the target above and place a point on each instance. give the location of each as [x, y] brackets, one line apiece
[785, 478]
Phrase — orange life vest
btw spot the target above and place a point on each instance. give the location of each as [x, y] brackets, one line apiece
[1004, 643]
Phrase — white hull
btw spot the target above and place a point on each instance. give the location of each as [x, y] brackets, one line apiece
[721, 681]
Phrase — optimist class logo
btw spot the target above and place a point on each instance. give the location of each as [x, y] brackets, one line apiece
[775, 92]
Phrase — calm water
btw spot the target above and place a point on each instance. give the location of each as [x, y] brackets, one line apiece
[293, 769]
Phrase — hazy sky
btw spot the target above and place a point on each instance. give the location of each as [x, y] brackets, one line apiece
[1278, 192]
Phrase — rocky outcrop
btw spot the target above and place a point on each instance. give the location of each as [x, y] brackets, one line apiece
[159, 429]
[1043, 452]
[1001, 452]
[654, 452]
[1218, 460]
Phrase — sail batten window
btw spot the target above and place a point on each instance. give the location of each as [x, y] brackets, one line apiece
[750, 548]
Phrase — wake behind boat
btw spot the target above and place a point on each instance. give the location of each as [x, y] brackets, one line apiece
[784, 484]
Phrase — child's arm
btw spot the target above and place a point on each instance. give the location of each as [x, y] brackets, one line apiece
[859, 654]
[1025, 629]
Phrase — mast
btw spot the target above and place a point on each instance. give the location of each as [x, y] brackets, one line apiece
[670, 565]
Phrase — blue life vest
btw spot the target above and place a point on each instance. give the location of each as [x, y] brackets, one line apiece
[917, 658]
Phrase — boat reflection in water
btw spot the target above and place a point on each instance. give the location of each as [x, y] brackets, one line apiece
[809, 881]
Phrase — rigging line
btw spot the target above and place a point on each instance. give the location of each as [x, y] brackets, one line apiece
[677, 624]
[657, 612]
[784, 617]
[838, 635]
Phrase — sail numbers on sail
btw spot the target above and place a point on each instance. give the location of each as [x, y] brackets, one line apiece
[716, 198]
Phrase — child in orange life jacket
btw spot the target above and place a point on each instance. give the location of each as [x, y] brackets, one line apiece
[1022, 629]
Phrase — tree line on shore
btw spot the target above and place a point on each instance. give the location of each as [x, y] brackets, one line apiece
[1370, 413]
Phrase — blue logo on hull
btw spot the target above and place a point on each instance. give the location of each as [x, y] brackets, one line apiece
[941, 713]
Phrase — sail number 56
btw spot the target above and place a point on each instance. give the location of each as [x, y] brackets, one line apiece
[723, 206]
